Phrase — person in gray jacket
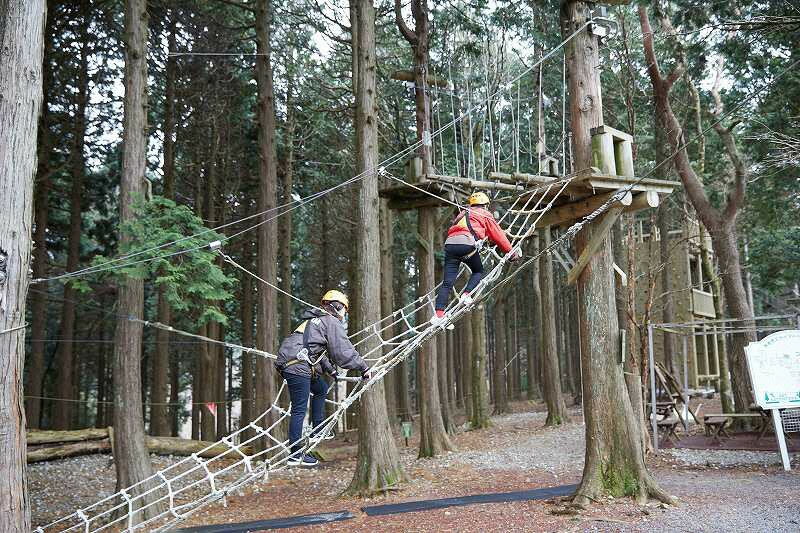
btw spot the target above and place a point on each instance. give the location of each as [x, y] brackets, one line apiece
[312, 350]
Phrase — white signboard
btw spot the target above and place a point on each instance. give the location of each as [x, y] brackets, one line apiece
[774, 364]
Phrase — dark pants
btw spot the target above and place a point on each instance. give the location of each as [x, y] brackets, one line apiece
[300, 387]
[454, 255]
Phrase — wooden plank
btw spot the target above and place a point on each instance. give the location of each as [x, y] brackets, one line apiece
[594, 243]
[575, 210]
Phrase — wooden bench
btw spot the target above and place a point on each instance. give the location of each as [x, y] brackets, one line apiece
[667, 428]
[715, 426]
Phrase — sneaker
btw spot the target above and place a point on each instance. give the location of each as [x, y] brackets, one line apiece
[304, 460]
[466, 299]
[437, 320]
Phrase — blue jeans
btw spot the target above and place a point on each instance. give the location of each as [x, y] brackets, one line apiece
[300, 387]
[454, 255]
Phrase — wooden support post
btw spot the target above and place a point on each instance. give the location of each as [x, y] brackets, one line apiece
[598, 237]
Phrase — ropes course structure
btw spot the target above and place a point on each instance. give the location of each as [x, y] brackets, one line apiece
[257, 450]
[194, 482]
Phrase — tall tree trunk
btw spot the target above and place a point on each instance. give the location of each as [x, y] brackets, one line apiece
[499, 369]
[404, 405]
[480, 395]
[35, 359]
[247, 359]
[265, 385]
[433, 434]
[663, 220]
[285, 222]
[130, 453]
[626, 311]
[465, 362]
[159, 412]
[614, 462]
[387, 300]
[441, 355]
[535, 325]
[551, 374]
[64, 387]
[378, 463]
[21, 40]
[721, 223]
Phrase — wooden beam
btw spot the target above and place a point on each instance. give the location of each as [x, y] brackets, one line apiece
[575, 210]
[521, 177]
[407, 75]
[594, 243]
[475, 184]
[644, 200]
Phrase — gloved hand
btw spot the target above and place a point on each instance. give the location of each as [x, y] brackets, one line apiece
[514, 255]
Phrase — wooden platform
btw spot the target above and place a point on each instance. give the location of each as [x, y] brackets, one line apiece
[581, 196]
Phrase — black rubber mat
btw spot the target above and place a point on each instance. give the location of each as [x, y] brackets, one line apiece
[275, 523]
[496, 497]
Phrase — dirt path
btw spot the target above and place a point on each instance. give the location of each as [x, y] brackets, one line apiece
[517, 453]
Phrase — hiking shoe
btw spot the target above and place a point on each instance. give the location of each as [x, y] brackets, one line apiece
[304, 460]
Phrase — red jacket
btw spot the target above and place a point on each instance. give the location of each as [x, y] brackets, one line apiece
[483, 224]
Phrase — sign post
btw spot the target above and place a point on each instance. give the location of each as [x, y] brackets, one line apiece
[774, 364]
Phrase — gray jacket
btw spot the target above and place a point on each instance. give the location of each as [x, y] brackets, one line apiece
[326, 333]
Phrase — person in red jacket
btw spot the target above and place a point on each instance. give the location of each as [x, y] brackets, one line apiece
[472, 225]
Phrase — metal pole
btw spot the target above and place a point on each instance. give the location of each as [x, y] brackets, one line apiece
[776, 419]
[651, 362]
[686, 382]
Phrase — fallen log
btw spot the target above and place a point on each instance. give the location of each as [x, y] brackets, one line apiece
[157, 445]
[38, 436]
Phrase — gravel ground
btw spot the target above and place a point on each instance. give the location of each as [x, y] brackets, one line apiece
[718, 490]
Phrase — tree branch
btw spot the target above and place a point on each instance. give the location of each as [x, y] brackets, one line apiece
[409, 35]
[735, 197]
[691, 183]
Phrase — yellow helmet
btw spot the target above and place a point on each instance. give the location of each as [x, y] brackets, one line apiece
[478, 198]
[336, 296]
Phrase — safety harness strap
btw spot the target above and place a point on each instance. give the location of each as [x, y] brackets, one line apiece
[474, 235]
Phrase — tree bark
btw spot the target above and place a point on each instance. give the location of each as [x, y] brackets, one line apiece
[159, 412]
[130, 453]
[35, 359]
[265, 383]
[614, 462]
[22, 45]
[480, 395]
[378, 463]
[551, 374]
[721, 223]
